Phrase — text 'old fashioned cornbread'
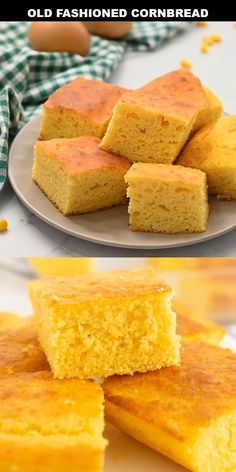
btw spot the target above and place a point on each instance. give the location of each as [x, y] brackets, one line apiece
[20, 350]
[167, 198]
[81, 107]
[213, 150]
[101, 324]
[50, 425]
[187, 413]
[77, 176]
[149, 127]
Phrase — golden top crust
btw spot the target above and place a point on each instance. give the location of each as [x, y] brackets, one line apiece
[180, 399]
[99, 286]
[190, 325]
[79, 155]
[20, 349]
[159, 102]
[11, 320]
[94, 98]
[37, 403]
[182, 85]
[164, 172]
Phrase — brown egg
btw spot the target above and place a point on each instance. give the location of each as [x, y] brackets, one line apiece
[109, 29]
[61, 36]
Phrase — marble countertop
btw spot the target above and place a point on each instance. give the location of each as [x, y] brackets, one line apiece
[27, 235]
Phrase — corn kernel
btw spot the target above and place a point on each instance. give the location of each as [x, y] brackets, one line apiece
[204, 48]
[201, 24]
[3, 225]
[216, 38]
[185, 63]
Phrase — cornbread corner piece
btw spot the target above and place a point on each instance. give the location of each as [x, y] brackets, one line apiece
[81, 107]
[149, 128]
[167, 199]
[50, 425]
[213, 150]
[20, 350]
[77, 176]
[194, 327]
[106, 323]
[187, 413]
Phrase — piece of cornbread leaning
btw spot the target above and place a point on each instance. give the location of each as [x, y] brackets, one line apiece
[50, 425]
[77, 176]
[167, 198]
[187, 413]
[80, 108]
[106, 323]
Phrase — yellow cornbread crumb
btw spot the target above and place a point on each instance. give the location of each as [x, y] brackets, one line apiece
[204, 48]
[3, 225]
[185, 63]
[208, 41]
[201, 24]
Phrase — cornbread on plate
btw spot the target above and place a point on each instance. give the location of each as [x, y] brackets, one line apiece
[50, 425]
[213, 150]
[167, 198]
[19, 347]
[187, 413]
[149, 128]
[77, 176]
[183, 85]
[80, 108]
[101, 324]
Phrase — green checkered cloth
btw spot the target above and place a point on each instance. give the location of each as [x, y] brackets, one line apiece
[28, 77]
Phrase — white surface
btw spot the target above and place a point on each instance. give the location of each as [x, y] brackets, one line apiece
[30, 236]
[109, 227]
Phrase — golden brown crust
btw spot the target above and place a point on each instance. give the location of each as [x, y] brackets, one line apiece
[191, 326]
[93, 98]
[79, 155]
[168, 172]
[11, 320]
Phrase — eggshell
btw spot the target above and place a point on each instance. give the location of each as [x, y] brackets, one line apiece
[109, 29]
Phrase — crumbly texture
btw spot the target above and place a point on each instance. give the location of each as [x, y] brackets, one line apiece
[80, 108]
[50, 425]
[149, 128]
[77, 176]
[194, 327]
[167, 199]
[20, 350]
[213, 150]
[101, 324]
[187, 413]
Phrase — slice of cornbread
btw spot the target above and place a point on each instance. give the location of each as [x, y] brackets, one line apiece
[149, 128]
[19, 347]
[10, 320]
[194, 327]
[77, 176]
[50, 425]
[187, 413]
[80, 108]
[213, 150]
[101, 324]
[167, 198]
[192, 263]
[216, 108]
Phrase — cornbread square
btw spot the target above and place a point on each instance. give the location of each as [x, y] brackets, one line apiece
[77, 176]
[213, 150]
[149, 128]
[50, 425]
[80, 108]
[187, 413]
[20, 350]
[183, 85]
[167, 199]
[105, 323]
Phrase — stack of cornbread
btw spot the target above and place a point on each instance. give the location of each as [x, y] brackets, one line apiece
[172, 389]
[97, 139]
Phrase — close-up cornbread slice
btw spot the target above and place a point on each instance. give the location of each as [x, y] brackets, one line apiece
[77, 176]
[20, 350]
[187, 413]
[10, 320]
[167, 198]
[149, 128]
[213, 150]
[105, 323]
[192, 263]
[81, 107]
[194, 327]
[50, 425]
[183, 85]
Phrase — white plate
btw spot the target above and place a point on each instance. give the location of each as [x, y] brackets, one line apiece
[108, 227]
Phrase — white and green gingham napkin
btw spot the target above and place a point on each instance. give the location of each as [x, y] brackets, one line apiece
[28, 77]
